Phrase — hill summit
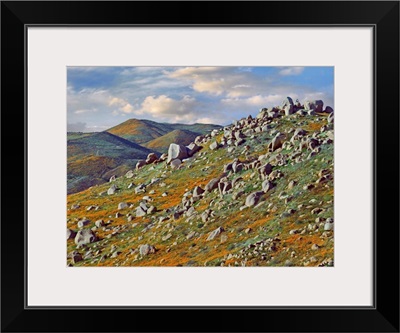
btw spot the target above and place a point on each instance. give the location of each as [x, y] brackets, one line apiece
[258, 192]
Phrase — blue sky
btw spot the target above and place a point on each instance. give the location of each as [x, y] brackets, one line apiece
[101, 97]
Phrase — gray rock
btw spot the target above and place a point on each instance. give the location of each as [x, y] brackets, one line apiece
[197, 191]
[75, 206]
[140, 188]
[175, 163]
[277, 141]
[129, 174]
[316, 105]
[176, 151]
[76, 257]
[112, 189]
[253, 198]
[83, 222]
[331, 118]
[122, 205]
[140, 164]
[265, 170]
[85, 236]
[140, 212]
[212, 184]
[113, 178]
[237, 167]
[193, 149]
[151, 210]
[328, 109]
[214, 145]
[99, 223]
[146, 249]
[215, 233]
[70, 234]
[151, 158]
[267, 185]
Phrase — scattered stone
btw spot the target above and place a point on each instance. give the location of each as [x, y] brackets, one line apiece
[315, 247]
[83, 222]
[214, 145]
[112, 189]
[212, 184]
[253, 198]
[146, 249]
[267, 185]
[175, 163]
[113, 178]
[140, 164]
[75, 206]
[129, 174]
[197, 191]
[215, 233]
[70, 234]
[99, 223]
[151, 158]
[85, 236]
[122, 205]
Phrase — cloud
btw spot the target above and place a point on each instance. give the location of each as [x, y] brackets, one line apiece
[256, 101]
[293, 70]
[85, 110]
[76, 127]
[167, 108]
[123, 105]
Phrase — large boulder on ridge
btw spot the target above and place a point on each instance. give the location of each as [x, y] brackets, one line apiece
[177, 151]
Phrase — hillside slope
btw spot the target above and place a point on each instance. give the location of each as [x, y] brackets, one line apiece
[260, 193]
[92, 158]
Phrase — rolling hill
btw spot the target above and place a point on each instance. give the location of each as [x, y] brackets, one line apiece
[93, 158]
[162, 143]
[142, 131]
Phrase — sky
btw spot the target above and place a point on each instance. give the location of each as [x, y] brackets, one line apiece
[101, 97]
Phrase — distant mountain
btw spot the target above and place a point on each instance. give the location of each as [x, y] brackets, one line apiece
[142, 131]
[162, 143]
[106, 144]
[94, 157]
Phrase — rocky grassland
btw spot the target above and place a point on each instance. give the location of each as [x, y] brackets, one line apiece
[256, 193]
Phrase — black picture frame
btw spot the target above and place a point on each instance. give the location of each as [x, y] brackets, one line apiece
[383, 316]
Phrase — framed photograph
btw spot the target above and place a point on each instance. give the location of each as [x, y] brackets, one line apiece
[234, 164]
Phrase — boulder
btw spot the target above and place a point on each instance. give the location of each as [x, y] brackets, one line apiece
[99, 223]
[328, 109]
[192, 149]
[122, 205]
[146, 249]
[214, 145]
[253, 198]
[70, 234]
[112, 190]
[113, 178]
[267, 185]
[277, 141]
[85, 236]
[212, 184]
[82, 223]
[151, 158]
[140, 212]
[316, 105]
[140, 164]
[129, 174]
[176, 151]
[197, 191]
[265, 170]
[215, 233]
[176, 163]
